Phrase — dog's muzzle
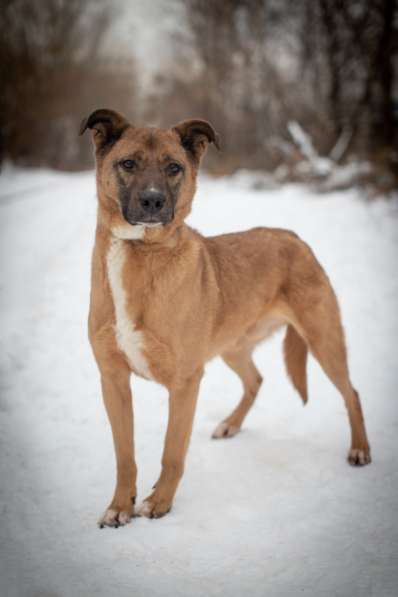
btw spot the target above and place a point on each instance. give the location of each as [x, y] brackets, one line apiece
[149, 207]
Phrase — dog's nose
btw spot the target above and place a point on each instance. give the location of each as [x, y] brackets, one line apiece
[151, 201]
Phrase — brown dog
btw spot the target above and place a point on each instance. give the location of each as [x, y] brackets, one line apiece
[165, 300]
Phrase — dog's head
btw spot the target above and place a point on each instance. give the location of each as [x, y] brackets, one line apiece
[146, 177]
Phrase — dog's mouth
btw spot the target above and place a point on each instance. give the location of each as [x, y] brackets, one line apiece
[137, 217]
[147, 224]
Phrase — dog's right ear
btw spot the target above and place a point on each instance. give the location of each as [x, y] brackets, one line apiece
[107, 126]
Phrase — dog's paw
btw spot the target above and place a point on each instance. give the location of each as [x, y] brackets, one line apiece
[153, 508]
[115, 518]
[359, 457]
[225, 430]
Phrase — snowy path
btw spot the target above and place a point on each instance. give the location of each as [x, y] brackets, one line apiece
[274, 512]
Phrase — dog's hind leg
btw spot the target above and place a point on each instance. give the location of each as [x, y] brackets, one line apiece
[321, 327]
[241, 362]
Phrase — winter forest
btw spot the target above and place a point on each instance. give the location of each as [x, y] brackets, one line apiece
[283, 82]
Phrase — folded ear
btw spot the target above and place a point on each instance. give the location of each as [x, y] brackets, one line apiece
[195, 136]
[107, 126]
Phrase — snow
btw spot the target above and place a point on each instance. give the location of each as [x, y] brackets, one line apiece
[319, 165]
[346, 175]
[274, 511]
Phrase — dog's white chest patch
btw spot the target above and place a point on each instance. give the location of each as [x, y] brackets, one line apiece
[129, 340]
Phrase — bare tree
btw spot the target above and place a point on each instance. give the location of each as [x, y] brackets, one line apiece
[352, 47]
[51, 73]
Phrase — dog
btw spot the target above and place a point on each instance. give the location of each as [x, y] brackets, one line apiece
[165, 299]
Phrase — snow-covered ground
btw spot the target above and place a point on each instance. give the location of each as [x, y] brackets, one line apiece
[274, 512]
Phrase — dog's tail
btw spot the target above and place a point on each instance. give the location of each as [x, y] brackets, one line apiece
[296, 352]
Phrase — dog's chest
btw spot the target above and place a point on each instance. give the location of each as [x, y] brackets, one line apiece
[129, 340]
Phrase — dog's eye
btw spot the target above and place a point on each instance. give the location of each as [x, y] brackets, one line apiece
[173, 169]
[128, 165]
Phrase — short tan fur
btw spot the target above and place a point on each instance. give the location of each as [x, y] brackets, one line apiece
[165, 299]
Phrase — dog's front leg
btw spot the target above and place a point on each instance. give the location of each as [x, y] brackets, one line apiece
[182, 404]
[118, 402]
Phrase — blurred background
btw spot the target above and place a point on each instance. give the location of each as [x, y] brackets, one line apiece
[304, 94]
[300, 89]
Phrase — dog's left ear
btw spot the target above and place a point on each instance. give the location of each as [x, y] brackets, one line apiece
[195, 136]
[107, 126]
